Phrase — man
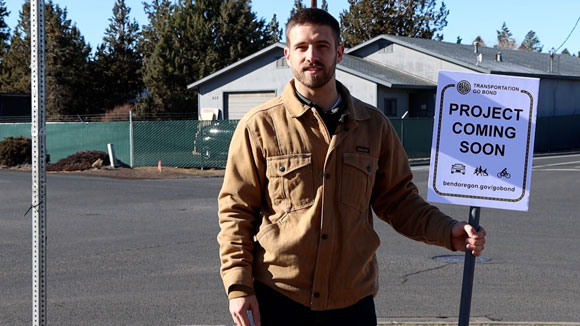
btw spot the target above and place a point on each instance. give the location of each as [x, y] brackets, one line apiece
[305, 169]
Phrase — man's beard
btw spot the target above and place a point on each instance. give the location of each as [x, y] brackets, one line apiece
[314, 81]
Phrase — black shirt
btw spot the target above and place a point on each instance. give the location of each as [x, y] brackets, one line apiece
[330, 117]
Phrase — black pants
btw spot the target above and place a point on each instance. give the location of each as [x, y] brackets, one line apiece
[278, 310]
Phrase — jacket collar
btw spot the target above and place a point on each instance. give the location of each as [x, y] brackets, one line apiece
[296, 108]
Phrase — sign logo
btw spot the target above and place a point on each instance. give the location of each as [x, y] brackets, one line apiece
[463, 87]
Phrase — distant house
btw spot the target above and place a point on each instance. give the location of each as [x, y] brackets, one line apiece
[396, 74]
[15, 107]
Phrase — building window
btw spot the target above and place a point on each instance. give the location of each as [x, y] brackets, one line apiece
[391, 107]
[281, 63]
[387, 49]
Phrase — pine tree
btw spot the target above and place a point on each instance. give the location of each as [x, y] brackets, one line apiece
[239, 33]
[479, 40]
[158, 13]
[67, 62]
[531, 42]
[201, 37]
[118, 60]
[15, 69]
[179, 57]
[367, 19]
[505, 39]
[4, 31]
[274, 31]
[298, 5]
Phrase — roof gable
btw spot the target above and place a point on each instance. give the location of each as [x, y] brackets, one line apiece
[276, 47]
[513, 61]
[359, 67]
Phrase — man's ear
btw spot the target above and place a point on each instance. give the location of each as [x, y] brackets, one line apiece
[287, 55]
[339, 53]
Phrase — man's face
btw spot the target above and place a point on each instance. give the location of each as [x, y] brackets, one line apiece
[313, 54]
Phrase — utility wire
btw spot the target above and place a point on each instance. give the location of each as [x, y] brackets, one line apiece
[568, 35]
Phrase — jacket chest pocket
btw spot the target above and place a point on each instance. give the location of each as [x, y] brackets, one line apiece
[291, 181]
[358, 177]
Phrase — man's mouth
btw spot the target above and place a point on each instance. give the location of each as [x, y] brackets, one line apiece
[312, 69]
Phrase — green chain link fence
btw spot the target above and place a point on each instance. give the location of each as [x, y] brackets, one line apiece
[189, 143]
[205, 144]
[185, 143]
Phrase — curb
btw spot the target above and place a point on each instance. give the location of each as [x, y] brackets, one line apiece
[427, 161]
[480, 321]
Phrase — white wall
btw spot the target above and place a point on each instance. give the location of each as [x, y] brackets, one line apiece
[414, 62]
[362, 89]
[270, 77]
[265, 78]
[556, 97]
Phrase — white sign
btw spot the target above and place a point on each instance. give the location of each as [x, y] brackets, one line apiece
[483, 140]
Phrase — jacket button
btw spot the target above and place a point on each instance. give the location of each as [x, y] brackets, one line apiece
[327, 176]
[324, 236]
[282, 169]
[316, 294]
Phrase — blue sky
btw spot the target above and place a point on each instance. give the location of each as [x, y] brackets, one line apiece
[551, 20]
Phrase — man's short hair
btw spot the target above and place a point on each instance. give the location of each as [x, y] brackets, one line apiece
[313, 16]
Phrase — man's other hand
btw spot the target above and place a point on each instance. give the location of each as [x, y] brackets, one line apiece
[239, 308]
[464, 237]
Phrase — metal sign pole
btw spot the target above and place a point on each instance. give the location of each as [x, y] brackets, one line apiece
[131, 144]
[468, 272]
[37, 77]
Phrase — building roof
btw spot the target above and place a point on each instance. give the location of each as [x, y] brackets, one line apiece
[357, 66]
[513, 62]
[522, 63]
[273, 47]
[380, 74]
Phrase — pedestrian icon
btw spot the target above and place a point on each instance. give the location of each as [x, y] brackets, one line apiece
[480, 171]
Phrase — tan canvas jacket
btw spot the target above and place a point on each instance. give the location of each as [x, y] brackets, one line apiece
[295, 205]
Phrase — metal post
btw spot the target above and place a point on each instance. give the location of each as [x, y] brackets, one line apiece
[38, 132]
[403, 127]
[131, 148]
[112, 157]
[468, 272]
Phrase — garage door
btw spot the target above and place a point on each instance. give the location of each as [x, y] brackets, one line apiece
[237, 104]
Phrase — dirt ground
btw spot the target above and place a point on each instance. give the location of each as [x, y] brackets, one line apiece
[148, 172]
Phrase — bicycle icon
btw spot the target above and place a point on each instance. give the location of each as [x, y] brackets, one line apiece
[504, 174]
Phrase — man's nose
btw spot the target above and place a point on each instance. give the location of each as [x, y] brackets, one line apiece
[311, 54]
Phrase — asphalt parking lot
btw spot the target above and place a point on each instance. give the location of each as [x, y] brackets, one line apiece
[143, 252]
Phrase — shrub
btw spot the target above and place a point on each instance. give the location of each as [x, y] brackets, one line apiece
[79, 161]
[119, 113]
[15, 151]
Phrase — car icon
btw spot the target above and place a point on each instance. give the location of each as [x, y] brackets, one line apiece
[458, 168]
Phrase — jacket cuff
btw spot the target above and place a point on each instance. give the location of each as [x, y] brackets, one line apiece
[448, 244]
[237, 277]
[238, 291]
